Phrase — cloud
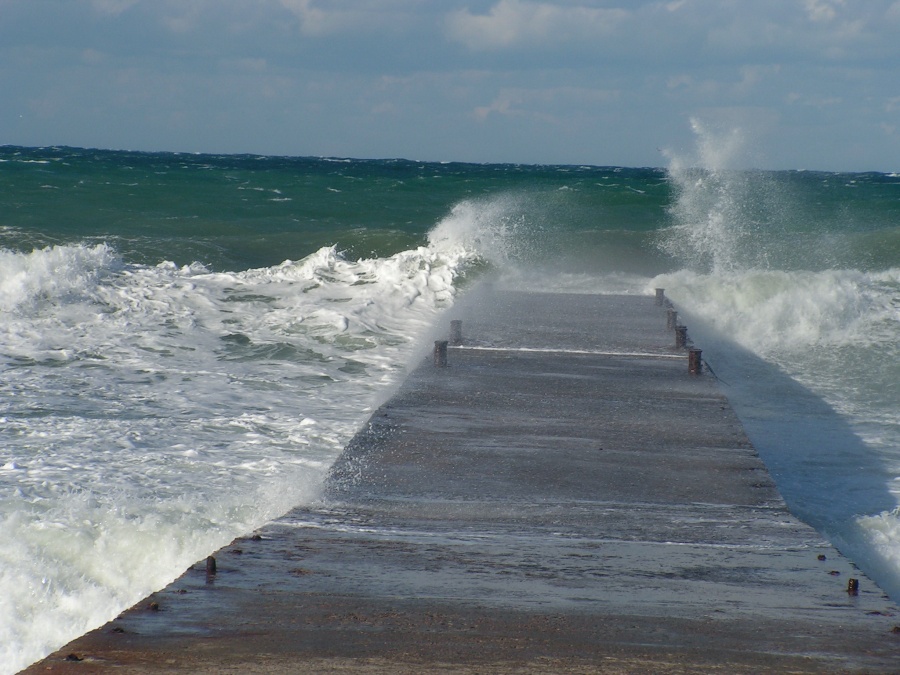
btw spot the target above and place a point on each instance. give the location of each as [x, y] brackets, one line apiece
[752, 76]
[520, 22]
[92, 57]
[814, 101]
[541, 80]
[822, 10]
[688, 84]
[251, 65]
[112, 7]
[313, 20]
[186, 19]
[524, 102]
[329, 17]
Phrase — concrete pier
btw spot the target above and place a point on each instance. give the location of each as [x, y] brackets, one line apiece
[563, 496]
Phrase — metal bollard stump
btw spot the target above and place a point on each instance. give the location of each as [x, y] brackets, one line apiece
[456, 332]
[695, 363]
[440, 353]
[680, 337]
[660, 296]
[671, 319]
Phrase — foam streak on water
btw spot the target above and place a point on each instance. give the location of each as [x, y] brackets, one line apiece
[153, 413]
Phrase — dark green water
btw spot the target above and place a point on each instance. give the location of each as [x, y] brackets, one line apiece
[241, 212]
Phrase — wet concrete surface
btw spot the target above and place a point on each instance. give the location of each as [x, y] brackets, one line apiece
[563, 497]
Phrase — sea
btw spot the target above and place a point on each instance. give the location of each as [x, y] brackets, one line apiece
[188, 341]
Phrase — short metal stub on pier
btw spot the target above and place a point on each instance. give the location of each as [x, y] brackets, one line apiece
[671, 319]
[456, 332]
[680, 337]
[695, 362]
[440, 353]
[660, 296]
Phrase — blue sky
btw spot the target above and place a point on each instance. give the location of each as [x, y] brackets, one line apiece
[807, 84]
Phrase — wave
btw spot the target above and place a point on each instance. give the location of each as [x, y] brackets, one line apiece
[790, 285]
[811, 363]
[787, 311]
[157, 412]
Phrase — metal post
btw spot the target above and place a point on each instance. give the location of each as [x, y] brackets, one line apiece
[660, 296]
[680, 337]
[456, 332]
[671, 319]
[440, 353]
[695, 363]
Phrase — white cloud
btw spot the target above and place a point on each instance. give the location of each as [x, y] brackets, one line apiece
[312, 19]
[250, 65]
[328, 17]
[112, 7]
[685, 83]
[186, 19]
[814, 101]
[515, 22]
[517, 101]
[92, 57]
[751, 76]
[407, 76]
[822, 10]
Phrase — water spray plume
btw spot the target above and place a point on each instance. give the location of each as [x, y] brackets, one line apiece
[717, 208]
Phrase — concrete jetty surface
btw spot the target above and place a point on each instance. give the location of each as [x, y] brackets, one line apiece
[562, 497]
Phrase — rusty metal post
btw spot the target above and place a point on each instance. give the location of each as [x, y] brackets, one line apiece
[456, 332]
[680, 337]
[210, 570]
[440, 353]
[853, 586]
[660, 296]
[671, 319]
[695, 363]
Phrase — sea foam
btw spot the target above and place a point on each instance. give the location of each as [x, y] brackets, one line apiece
[157, 412]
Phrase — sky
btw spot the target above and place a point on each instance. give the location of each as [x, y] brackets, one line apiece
[804, 84]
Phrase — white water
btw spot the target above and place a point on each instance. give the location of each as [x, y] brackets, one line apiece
[818, 387]
[835, 334]
[152, 414]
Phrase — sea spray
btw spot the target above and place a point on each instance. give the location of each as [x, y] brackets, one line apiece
[759, 273]
[811, 363]
[725, 218]
[508, 230]
[156, 412]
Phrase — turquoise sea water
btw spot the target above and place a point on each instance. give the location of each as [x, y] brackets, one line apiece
[188, 341]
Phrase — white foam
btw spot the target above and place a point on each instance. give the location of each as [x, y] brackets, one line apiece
[832, 439]
[157, 412]
[767, 310]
